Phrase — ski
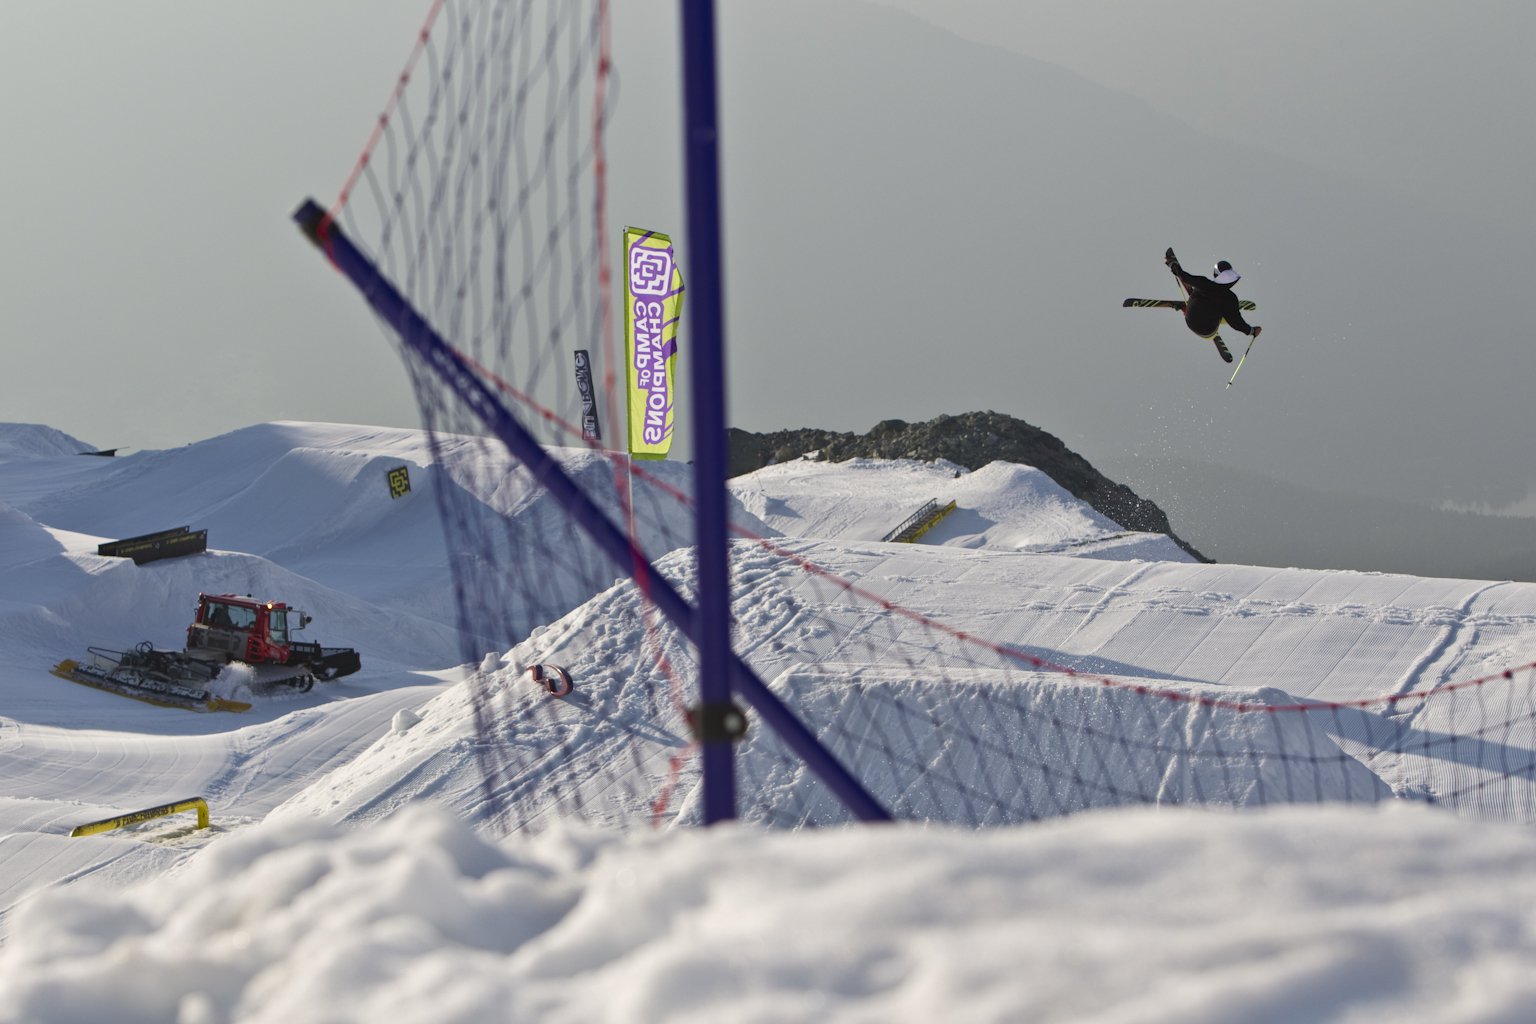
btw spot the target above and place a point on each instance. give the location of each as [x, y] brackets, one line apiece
[1243, 360]
[1243, 304]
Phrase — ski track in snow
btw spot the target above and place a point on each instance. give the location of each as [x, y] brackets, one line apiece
[1460, 634]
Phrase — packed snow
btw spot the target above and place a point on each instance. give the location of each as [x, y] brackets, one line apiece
[352, 872]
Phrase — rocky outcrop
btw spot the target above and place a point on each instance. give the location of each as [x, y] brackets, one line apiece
[971, 440]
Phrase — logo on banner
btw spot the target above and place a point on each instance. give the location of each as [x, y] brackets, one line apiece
[650, 271]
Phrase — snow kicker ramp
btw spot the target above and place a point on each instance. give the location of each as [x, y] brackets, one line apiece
[1189, 652]
[1001, 507]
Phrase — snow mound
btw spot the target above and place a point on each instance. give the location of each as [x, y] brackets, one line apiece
[1240, 634]
[32, 440]
[1300, 913]
[23, 539]
[1024, 732]
[1000, 507]
[315, 498]
[218, 484]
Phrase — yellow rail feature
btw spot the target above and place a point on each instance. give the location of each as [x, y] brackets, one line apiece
[196, 803]
[919, 522]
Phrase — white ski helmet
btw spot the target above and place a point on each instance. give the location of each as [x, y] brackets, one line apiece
[1225, 274]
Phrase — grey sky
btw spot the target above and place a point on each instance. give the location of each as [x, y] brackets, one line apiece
[1427, 99]
[155, 292]
[1364, 163]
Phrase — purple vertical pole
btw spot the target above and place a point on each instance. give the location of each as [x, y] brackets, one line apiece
[706, 348]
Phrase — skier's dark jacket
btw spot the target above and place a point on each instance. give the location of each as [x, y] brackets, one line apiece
[1209, 304]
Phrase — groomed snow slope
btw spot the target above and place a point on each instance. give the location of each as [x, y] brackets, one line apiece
[301, 512]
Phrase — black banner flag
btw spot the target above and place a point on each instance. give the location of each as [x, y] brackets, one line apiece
[590, 430]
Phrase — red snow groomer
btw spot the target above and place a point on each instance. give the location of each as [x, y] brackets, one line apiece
[230, 628]
[227, 628]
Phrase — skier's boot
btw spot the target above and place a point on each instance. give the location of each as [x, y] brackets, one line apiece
[1221, 347]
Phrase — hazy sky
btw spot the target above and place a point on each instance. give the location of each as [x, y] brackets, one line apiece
[155, 290]
[1365, 163]
[1430, 100]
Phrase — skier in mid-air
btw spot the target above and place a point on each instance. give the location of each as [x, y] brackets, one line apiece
[1208, 302]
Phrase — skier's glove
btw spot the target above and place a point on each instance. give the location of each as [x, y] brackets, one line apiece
[1170, 259]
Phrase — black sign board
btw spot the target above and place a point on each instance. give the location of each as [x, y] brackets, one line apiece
[151, 547]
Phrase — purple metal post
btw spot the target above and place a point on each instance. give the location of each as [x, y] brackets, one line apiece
[706, 348]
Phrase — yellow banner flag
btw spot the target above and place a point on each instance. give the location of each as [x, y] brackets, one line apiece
[653, 303]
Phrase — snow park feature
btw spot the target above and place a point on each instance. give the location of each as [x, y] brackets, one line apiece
[176, 542]
[195, 804]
